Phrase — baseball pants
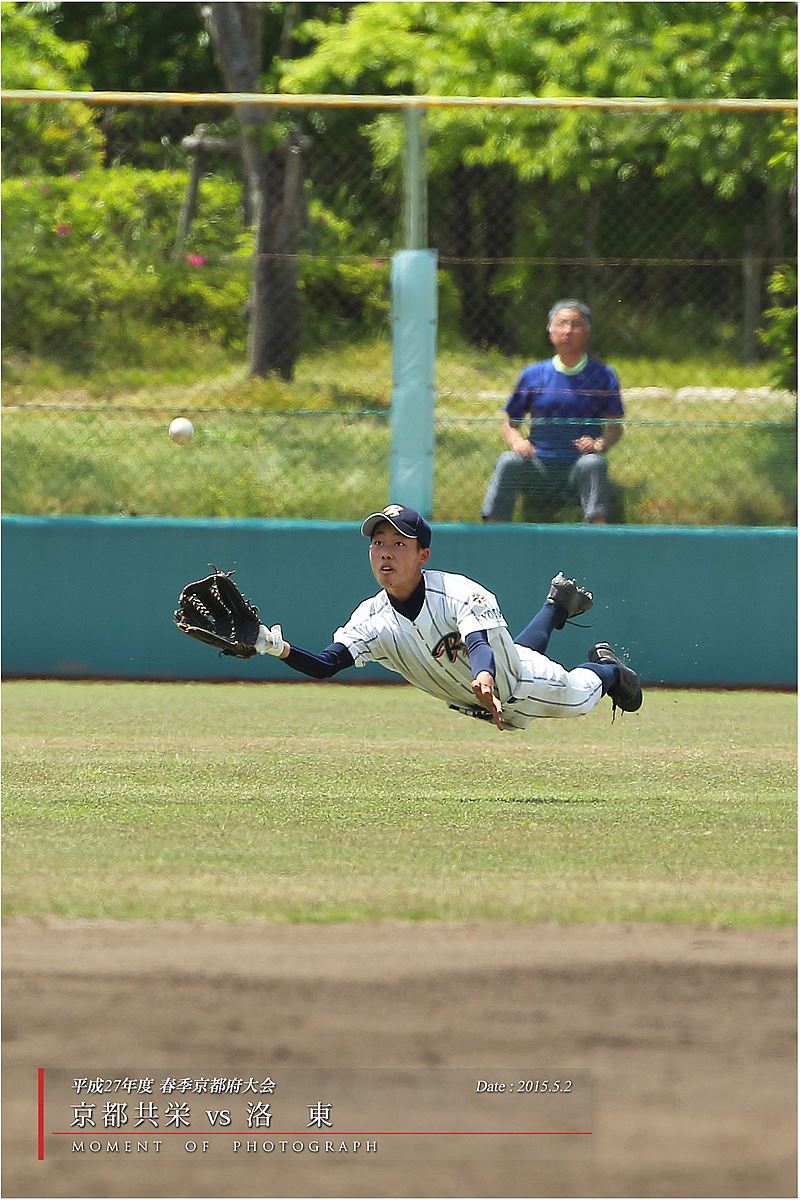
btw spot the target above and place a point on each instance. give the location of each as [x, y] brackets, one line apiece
[588, 476]
[546, 689]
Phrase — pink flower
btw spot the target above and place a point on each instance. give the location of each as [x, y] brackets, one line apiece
[63, 230]
[196, 260]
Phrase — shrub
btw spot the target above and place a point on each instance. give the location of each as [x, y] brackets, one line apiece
[88, 253]
[780, 329]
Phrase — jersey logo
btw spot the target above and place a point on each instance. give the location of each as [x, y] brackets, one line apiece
[451, 645]
[478, 603]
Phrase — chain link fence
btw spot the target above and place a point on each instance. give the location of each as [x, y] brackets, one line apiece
[126, 302]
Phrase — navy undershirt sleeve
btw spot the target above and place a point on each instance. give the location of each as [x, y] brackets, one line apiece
[328, 662]
[480, 653]
[337, 657]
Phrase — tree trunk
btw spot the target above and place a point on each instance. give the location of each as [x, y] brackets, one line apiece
[275, 313]
[274, 179]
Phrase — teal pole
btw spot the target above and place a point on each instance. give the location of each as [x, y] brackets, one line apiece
[414, 328]
[415, 180]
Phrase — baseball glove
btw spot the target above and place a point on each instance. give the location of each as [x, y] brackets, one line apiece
[215, 611]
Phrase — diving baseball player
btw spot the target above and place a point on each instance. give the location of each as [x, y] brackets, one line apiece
[446, 634]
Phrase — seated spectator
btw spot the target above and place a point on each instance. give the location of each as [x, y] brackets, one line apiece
[568, 398]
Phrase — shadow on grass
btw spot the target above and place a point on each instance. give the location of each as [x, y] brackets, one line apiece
[529, 800]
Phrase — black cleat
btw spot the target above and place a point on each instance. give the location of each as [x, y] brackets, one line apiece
[568, 595]
[627, 694]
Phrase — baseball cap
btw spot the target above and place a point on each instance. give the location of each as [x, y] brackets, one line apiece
[405, 520]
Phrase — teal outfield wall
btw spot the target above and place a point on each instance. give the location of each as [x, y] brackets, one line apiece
[93, 597]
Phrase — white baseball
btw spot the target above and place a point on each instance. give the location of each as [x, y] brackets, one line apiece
[181, 430]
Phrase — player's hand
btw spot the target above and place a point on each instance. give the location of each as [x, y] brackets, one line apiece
[585, 445]
[525, 448]
[483, 687]
[270, 641]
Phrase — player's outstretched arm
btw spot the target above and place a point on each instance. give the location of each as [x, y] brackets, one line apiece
[327, 663]
[483, 687]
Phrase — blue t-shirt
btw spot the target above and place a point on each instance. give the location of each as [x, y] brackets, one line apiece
[549, 397]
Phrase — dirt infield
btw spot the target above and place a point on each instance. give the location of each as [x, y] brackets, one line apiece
[689, 1036]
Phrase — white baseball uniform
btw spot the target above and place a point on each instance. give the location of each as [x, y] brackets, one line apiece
[430, 652]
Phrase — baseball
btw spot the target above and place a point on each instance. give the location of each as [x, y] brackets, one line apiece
[181, 430]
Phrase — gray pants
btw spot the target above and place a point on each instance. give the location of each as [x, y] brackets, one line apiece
[588, 477]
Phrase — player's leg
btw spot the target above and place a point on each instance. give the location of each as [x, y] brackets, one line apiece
[512, 475]
[590, 477]
[547, 689]
[536, 633]
[620, 681]
[564, 600]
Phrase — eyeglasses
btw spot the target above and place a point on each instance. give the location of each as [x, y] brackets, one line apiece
[568, 325]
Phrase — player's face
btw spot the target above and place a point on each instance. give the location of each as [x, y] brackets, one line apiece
[396, 560]
[569, 333]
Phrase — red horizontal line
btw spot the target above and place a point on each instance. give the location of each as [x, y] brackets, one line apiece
[328, 1133]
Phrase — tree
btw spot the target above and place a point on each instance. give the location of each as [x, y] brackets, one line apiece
[164, 47]
[142, 47]
[44, 138]
[273, 170]
[546, 163]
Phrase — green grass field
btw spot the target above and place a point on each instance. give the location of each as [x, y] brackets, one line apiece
[319, 447]
[345, 375]
[317, 802]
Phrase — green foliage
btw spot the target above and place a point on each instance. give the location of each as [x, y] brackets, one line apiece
[143, 47]
[687, 814]
[345, 298]
[679, 50]
[163, 47]
[89, 258]
[90, 265]
[348, 296]
[780, 328]
[44, 138]
[503, 180]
